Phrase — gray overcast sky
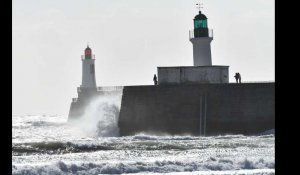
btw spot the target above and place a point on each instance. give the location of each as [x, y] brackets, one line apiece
[129, 38]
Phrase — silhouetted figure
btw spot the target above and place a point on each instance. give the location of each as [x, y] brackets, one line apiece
[155, 79]
[239, 77]
[236, 77]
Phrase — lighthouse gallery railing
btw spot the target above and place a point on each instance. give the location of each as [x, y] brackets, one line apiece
[192, 34]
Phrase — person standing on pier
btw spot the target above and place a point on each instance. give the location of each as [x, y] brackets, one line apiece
[155, 79]
[239, 77]
[236, 77]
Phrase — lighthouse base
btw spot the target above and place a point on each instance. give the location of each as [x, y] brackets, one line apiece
[193, 74]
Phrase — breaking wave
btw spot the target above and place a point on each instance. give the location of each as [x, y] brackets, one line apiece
[138, 142]
[101, 116]
[138, 167]
[55, 148]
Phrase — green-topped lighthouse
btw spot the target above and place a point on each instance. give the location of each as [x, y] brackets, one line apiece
[201, 36]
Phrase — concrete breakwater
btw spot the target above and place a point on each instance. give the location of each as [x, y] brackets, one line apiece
[195, 109]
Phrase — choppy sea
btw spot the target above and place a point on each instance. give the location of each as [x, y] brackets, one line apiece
[45, 144]
[91, 145]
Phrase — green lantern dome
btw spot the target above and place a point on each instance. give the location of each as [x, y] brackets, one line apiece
[200, 16]
[200, 26]
[200, 21]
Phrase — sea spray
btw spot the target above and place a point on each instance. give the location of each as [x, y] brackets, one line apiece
[100, 118]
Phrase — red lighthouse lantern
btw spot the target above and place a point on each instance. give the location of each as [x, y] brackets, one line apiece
[88, 53]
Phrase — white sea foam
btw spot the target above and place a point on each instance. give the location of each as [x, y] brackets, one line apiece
[144, 167]
[226, 172]
[49, 145]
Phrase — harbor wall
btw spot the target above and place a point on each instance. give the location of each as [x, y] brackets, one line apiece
[198, 109]
[194, 109]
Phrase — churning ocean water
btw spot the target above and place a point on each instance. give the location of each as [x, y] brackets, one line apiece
[48, 144]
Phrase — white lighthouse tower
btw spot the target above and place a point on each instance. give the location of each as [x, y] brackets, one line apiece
[202, 71]
[88, 70]
[201, 38]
